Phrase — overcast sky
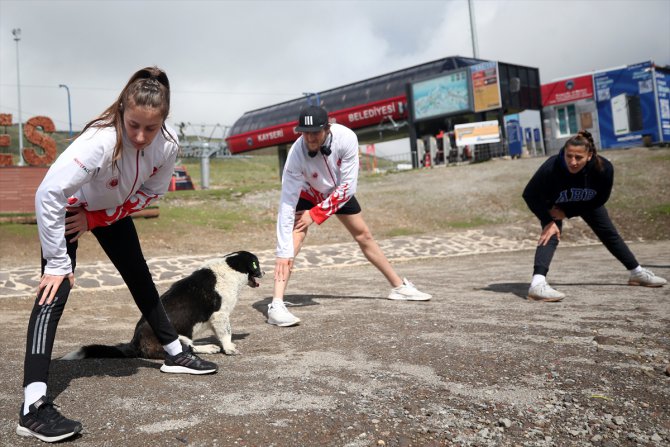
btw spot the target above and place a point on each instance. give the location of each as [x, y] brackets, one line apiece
[227, 57]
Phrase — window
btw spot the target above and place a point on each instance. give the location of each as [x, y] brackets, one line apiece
[567, 120]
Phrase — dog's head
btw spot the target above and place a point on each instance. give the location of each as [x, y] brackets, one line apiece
[245, 262]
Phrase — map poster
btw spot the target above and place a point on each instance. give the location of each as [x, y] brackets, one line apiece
[444, 95]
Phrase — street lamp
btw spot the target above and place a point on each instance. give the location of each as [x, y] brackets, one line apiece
[69, 109]
[473, 29]
[17, 36]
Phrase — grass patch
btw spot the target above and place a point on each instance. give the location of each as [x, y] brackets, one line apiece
[401, 232]
[660, 210]
[468, 224]
[661, 156]
[206, 195]
[204, 216]
[237, 174]
[19, 230]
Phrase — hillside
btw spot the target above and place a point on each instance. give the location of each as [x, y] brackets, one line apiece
[239, 210]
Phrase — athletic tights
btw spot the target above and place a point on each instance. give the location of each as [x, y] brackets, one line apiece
[122, 246]
[602, 226]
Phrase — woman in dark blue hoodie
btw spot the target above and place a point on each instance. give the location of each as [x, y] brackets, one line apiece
[576, 182]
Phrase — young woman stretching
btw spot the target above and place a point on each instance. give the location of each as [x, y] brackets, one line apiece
[576, 182]
[122, 161]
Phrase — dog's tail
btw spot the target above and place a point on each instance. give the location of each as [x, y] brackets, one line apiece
[123, 350]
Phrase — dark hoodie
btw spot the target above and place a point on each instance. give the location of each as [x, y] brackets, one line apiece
[553, 185]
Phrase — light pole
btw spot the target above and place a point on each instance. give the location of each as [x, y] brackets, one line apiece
[69, 109]
[17, 36]
[473, 29]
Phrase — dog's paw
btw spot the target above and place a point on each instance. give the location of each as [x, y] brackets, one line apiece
[206, 349]
[231, 349]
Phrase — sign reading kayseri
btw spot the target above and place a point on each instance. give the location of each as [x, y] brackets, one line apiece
[273, 135]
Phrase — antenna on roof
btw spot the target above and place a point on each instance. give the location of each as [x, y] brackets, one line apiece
[309, 98]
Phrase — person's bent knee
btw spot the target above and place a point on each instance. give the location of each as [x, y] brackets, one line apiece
[364, 238]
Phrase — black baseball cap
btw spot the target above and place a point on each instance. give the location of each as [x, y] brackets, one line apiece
[312, 119]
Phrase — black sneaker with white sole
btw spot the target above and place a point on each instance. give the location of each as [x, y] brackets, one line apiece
[186, 362]
[44, 422]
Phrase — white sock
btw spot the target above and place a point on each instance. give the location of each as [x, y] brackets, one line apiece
[537, 279]
[32, 393]
[637, 269]
[173, 348]
[277, 301]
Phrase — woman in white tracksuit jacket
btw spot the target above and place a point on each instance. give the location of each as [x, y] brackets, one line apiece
[319, 180]
[121, 162]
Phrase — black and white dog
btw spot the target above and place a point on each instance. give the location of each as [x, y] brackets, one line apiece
[196, 305]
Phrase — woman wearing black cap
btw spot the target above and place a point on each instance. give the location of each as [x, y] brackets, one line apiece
[319, 180]
[576, 182]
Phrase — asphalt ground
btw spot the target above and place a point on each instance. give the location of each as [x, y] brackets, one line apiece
[477, 365]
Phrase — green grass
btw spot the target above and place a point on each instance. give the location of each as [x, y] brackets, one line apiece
[660, 210]
[197, 216]
[240, 175]
[402, 232]
[467, 224]
[18, 230]
[661, 156]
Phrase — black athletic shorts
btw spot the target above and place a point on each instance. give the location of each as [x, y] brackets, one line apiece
[351, 207]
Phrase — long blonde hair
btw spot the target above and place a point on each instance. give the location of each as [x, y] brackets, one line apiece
[148, 87]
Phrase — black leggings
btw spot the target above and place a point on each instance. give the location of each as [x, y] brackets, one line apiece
[602, 226]
[122, 246]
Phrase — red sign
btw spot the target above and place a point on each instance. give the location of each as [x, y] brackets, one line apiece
[567, 90]
[270, 136]
[372, 113]
[355, 117]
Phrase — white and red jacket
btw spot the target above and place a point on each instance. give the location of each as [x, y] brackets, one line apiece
[83, 175]
[327, 181]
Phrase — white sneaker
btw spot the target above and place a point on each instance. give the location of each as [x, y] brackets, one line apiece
[279, 315]
[646, 278]
[408, 292]
[544, 292]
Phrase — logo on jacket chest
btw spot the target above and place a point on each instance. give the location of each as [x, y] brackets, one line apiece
[113, 183]
[576, 195]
